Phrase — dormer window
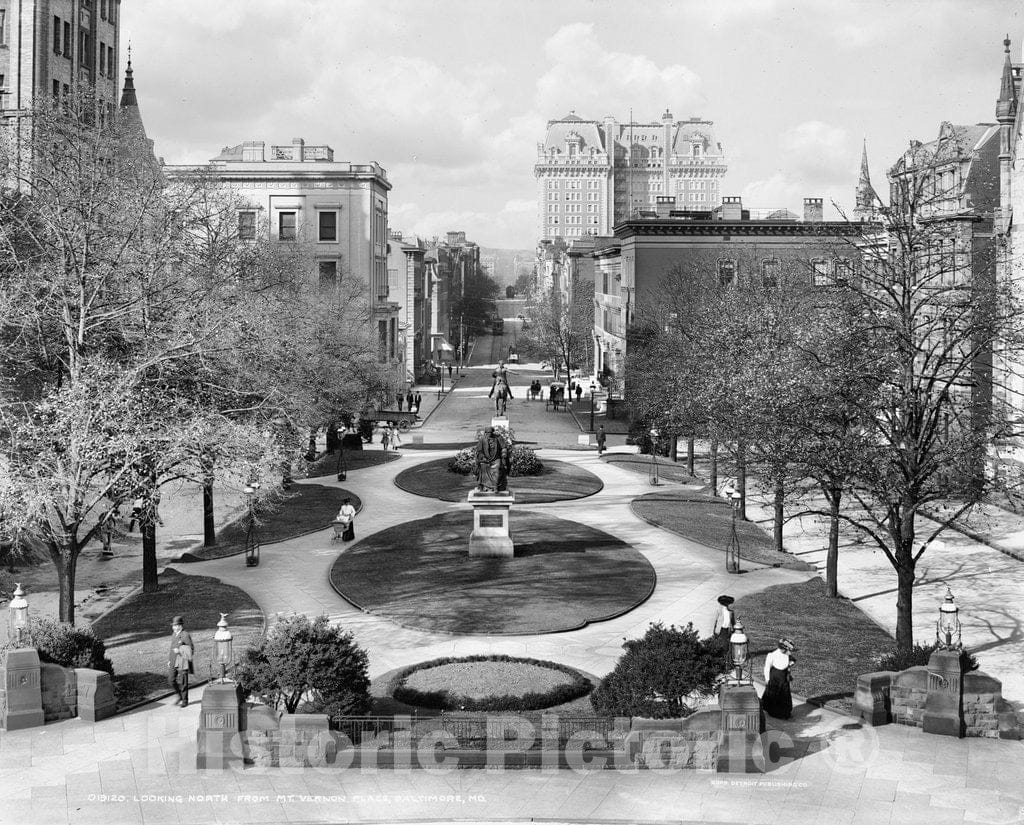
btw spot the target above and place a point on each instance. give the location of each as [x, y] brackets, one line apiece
[695, 150]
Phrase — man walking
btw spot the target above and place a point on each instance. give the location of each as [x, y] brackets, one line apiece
[399, 398]
[601, 438]
[179, 661]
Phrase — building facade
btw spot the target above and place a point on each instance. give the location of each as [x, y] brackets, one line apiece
[336, 211]
[406, 278]
[737, 248]
[594, 174]
[55, 50]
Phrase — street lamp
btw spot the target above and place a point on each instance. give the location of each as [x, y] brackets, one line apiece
[18, 610]
[732, 549]
[739, 656]
[655, 481]
[948, 628]
[593, 389]
[222, 638]
[252, 546]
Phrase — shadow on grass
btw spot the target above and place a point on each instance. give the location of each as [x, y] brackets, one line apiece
[308, 508]
[668, 470]
[353, 460]
[564, 576]
[559, 481]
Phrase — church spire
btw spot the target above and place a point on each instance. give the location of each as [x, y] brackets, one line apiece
[128, 90]
[866, 199]
[131, 117]
[1006, 105]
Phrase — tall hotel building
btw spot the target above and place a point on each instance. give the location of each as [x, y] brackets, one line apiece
[594, 174]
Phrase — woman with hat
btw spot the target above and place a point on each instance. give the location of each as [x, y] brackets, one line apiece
[725, 620]
[777, 699]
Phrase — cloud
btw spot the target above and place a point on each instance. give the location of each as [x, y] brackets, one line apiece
[818, 150]
[517, 218]
[784, 191]
[590, 77]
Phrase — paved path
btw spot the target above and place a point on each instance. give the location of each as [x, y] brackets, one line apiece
[140, 767]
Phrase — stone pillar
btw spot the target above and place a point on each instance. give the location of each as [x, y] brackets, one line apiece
[872, 701]
[219, 741]
[943, 707]
[742, 726]
[490, 536]
[306, 740]
[23, 695]
[95, 694]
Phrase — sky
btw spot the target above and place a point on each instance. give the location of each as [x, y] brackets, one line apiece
[452, 97]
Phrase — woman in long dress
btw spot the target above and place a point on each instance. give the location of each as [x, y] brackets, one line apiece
[777, 699]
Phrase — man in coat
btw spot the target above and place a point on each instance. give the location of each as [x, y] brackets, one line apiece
[179, 661]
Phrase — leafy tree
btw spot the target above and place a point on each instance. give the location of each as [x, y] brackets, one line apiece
[307, 665]
[560, 330]
[661, 675]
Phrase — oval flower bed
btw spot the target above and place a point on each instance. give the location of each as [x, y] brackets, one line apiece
[489, 683]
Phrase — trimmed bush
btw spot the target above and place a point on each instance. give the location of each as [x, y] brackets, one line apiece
[307, 666]
[898, 660]
[67, 645]
[445, 700]
[522, 462]
[660, 675]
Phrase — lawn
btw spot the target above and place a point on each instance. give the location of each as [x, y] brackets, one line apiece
[327, 464]
[137, 631]
[668, 470]
[564, 575]
[558, 481]
[708, 521]
[835, 641]
[308, 508]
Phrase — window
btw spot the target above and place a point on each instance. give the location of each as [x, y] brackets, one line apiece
[103, 58]
[770, 274]
[67, 40]
[327, 225]
[56, 92]
[66, 91]
[328, 274]
[247, 225]
[56, 35]
[103, 9]
[3, 25]
[110, 58]
[727, 273]
[844, 271]
[820, 272]
[286, 226]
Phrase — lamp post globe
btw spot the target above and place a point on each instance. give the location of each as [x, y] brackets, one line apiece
[223, 640]
[739, 652]
[948, 631]
[18, 610]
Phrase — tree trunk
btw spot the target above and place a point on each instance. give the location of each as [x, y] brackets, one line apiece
[905, 606]
[675, 447]
[780, 515]
[832, 557]
[714, 468]
[149, 576]
[209, 528]
[689, 456]
[65, 559]
[741, 477]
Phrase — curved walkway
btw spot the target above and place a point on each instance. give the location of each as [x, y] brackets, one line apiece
[293, 575]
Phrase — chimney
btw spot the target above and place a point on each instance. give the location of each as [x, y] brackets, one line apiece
[252, 151]
[814, 211]
[299, 145]
[665, 204]
[732, 208]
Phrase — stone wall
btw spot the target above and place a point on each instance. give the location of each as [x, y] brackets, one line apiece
[908, 693]
[60, 692]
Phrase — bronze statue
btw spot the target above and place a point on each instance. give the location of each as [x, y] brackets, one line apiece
[491, 463]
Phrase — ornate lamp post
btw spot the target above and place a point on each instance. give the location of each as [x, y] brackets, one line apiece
[739, 656]
[948, 628]
[593, 389]
[252, 545]
[18, 610]
[222, 638]
[732, 549]
[655, 481]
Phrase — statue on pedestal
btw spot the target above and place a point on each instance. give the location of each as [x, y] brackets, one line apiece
[492, 459]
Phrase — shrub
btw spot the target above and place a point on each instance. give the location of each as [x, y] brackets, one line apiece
[522, 462]
[309, 666]
[445, 700]
[660, 675]
[898, 660]
[67, 645]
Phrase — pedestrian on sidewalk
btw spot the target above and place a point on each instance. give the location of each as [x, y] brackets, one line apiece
[408, 401]
[136, 516]
[180, 660]
[396, 440]
[777, 699]
[419, 400]
[601, 439]
[579, 392]
[725, 619]
[347, 517]
[399, 398]
[385, 437]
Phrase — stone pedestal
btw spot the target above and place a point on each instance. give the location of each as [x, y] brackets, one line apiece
[219, 741]
[500, 421]
[742, 725]
[95, 694]
[23, 695]
[943, 707]
[490, 536]
[872, 700]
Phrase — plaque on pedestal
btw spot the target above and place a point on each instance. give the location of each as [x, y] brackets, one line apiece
[219, 742]
[500, 421]
[739, 750]
[943, 705]
[23, 705]
[490, 536]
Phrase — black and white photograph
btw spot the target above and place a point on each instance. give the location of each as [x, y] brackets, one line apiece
[586, 412]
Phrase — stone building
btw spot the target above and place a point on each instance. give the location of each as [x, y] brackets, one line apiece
[409, 285]
[335, 210]
[594, 174]
[738, 246]
[54, 50]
